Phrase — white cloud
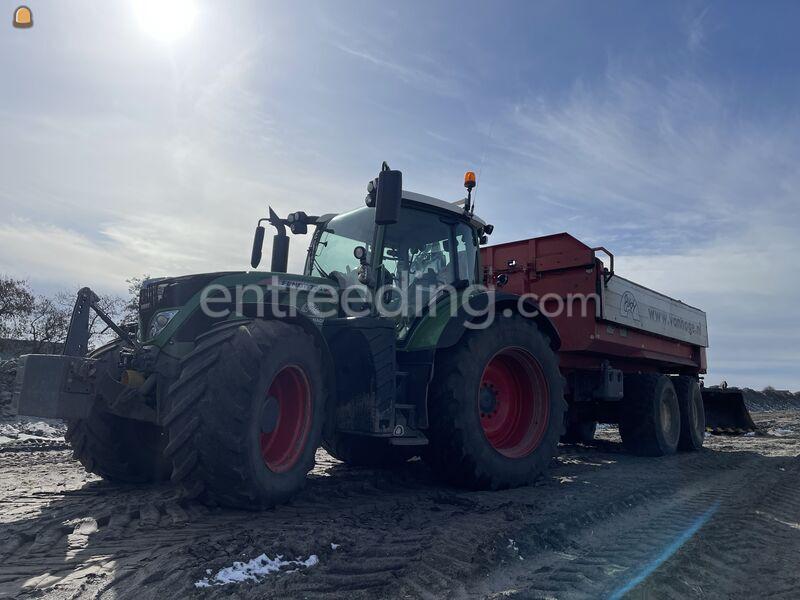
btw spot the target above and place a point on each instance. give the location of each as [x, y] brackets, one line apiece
[748, 284]
[429, 77]
[695, 31]
[49, 255]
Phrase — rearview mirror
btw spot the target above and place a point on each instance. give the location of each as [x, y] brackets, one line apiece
[258, 244]
[389, 197]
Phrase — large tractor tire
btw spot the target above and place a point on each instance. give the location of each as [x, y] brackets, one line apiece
[579, 432]
[116, 448]
[119, 449]
[245, 417]
[362, 451]
[497, 407]
[650, 419]
[693, 416]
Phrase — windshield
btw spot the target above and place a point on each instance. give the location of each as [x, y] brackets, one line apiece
[417, 249]
[334, 250]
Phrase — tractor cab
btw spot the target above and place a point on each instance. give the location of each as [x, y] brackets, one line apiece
[433, 245]
[402, 250]
[432, 242]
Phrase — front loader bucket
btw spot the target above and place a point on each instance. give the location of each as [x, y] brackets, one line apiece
[726, 412]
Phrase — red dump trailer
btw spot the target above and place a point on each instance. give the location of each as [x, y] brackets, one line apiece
[622, 345]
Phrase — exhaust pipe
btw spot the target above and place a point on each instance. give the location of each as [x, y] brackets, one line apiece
[280, 245]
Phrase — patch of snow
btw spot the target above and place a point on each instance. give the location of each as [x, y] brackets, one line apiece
[29, 428]
[512, 545]
[253, 570]
[334, 546]
[750, 434]
[780, 432]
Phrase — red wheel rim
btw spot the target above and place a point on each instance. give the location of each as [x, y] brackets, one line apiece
[514, 402]
[282, 446]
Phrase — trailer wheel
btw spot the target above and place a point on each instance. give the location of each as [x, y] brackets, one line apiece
[119, 449]
[693, 416]
[497, 407]
[245, 417]
[363, 451]
[650, 419]
[579, 432]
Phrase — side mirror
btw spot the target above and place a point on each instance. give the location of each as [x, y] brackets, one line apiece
[389, 196]
[258, 244]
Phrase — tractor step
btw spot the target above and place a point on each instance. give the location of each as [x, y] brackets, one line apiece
[409, 441]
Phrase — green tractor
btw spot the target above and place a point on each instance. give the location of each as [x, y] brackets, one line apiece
[387, 347]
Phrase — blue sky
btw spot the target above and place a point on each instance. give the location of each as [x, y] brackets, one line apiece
[667, 132]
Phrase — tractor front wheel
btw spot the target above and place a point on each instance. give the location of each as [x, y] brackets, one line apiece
[119, 449]
[116, 448]
[245, 417]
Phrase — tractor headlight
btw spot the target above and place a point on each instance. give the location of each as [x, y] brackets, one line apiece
[159, 322]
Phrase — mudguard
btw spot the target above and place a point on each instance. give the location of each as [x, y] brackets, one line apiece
[502, 301]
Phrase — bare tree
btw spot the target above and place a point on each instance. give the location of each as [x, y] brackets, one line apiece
[47, 322]
[130, 311]
[46, 326]
[16, 302]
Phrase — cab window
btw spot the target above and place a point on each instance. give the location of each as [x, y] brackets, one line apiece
[417, 251]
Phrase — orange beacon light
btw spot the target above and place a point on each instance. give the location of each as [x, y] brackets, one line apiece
[23, 18]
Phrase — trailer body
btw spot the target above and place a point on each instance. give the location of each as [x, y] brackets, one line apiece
[609, 326]
[599, 315]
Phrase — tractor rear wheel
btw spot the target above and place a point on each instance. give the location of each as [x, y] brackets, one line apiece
[245, 417]
[693, 416]
[363, 451]
[497, 407]
[650, 419]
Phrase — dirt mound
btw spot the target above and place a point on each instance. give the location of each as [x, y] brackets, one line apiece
[8, 372]
[766, 400]
[770, 400]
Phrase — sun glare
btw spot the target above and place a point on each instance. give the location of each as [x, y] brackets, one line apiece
[165, 20]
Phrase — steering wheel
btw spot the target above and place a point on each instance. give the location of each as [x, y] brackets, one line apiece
[346, 279]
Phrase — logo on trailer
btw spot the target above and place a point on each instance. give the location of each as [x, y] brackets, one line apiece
[629, 307]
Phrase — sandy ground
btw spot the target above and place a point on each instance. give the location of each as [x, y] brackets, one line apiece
[722, 523]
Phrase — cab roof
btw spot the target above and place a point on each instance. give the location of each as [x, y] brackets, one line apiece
[453, 207]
